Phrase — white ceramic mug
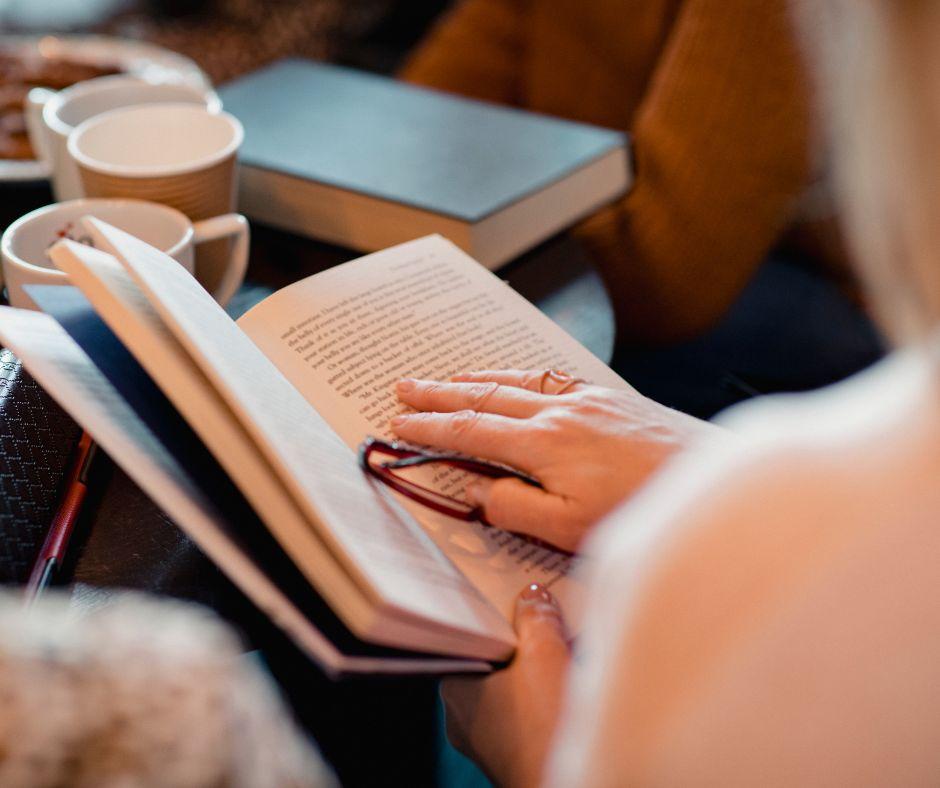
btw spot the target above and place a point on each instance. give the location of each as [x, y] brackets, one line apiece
[25, 244]
[180, 155]
[51, 117]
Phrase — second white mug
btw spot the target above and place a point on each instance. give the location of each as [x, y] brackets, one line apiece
[25, 244]
[51, 117]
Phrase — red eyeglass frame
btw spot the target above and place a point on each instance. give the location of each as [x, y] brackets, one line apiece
[410, 457]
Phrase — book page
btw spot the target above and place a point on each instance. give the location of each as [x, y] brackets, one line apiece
[389, 556]
[424, 309]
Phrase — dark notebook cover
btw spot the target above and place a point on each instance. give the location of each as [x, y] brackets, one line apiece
[36, 440]
[393, 141]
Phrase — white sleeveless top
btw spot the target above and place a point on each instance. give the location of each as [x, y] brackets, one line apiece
[768, 612]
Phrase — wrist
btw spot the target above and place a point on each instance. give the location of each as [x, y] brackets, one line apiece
[520, 773]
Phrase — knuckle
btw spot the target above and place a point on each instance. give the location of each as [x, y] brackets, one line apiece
[532, 379]
[590, 402]
[410, 422]
[552, 421]
[481, 393]
[463, 422]
[432, 389]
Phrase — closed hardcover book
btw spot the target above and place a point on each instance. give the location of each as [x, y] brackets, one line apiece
[367, 162]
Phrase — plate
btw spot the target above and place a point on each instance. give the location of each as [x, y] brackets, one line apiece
[135, 57]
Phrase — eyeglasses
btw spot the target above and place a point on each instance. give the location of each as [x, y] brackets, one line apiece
[388, 462]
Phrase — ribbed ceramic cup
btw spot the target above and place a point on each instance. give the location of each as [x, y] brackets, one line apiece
[51, 117]
[177, 154]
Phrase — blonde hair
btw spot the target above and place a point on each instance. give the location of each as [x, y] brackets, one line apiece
[878, 69]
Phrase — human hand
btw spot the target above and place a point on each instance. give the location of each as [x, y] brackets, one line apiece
[505, 721]
[589, 446]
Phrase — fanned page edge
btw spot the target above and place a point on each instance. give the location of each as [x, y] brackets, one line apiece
[183, 506]
[186, 507]
[79, 262]
[462, 617]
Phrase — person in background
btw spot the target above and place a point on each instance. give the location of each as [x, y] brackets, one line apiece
[763, 611]
[229, 38]
[728, 174]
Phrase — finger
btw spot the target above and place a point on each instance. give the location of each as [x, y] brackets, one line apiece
[540, 626]
[488, 397]
[484, 435]
[530, 379]
[515, 506]
[540, 381]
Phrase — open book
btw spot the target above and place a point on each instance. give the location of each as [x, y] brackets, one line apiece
[245, 433]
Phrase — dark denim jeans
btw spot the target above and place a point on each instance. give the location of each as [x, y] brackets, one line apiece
[791, 330]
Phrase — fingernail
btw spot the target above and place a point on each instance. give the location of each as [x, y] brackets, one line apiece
[397, 421]
[536, 592]
[404, 386]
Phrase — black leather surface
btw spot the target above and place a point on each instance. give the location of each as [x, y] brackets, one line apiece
[133, 544]
[36, 441]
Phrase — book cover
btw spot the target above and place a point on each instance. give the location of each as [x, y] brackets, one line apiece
[384, 138]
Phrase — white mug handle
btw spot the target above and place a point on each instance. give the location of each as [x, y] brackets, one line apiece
[35, 125]
[231, 224]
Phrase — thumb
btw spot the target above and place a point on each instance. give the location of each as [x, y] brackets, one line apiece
[539, 624]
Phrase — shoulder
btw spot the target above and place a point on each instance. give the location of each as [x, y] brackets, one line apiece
[739, 558]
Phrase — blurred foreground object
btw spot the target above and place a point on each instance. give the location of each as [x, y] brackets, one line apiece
[139, 692]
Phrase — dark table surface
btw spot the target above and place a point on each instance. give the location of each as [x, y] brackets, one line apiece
[368, 728]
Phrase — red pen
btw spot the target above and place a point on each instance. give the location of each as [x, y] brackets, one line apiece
[63, 522]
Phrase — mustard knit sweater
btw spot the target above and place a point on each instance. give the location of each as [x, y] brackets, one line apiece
[715, 97]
